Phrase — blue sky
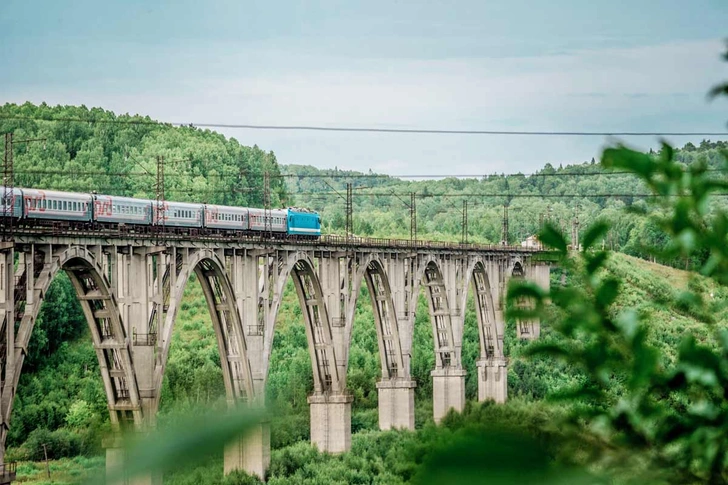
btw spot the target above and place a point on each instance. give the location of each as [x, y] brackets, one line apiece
[639, 65]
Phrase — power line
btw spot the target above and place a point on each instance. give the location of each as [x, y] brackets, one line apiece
[513, 196]
[320, 176]
[421, 131]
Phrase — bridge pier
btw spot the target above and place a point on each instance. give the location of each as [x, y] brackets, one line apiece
[250, 453]
[116, 460]
[396, 404]
[331, 422]
[493, 380]
[448, 391]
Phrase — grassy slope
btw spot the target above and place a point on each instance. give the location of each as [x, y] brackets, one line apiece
[194, 364]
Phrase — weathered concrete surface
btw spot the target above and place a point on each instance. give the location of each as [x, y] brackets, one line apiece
[448, 391]
[131, 288]
[250, 453]
[331, 422]
[493, 380]
[116, 462]
[396, 404]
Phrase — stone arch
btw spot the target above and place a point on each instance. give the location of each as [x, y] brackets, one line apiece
[301, 269]
[216, 286]
[371, 270]
[430, 275]
[101, 310]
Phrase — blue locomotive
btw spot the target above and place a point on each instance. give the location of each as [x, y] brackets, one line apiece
[50, 205]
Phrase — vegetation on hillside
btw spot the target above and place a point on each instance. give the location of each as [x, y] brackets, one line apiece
[634, 355]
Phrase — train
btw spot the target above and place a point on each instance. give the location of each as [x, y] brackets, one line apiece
[50, 207]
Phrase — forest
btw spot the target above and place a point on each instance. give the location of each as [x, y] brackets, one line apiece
[575, 412]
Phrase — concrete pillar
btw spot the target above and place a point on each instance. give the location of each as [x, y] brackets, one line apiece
[331, 422]
[493, 380]
[116, 461]
[448, 391]
[250, 453]
[396, 404]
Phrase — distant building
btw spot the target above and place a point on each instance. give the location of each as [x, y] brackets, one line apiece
[531, 242]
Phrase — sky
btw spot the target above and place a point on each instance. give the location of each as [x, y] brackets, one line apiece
[556, 65]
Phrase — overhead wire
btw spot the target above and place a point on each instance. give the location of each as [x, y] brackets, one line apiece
[85, 173]
[352, 129]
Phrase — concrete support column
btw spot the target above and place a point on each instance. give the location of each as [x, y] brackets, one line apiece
[493, 380]
[331, 422]
[448, 391]
[116, 462]
[396, 404]
[250, 453]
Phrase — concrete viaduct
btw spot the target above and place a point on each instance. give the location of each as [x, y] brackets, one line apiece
[130, 290]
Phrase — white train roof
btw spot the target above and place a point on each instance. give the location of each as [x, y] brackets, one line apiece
[57, 194]
[117, 198]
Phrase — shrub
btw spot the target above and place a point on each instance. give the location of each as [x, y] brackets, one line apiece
[60, 443]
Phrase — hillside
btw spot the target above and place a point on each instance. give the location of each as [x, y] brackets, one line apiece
[194, 380]
[117, 154]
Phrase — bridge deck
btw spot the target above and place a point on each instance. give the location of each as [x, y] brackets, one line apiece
[325, 243]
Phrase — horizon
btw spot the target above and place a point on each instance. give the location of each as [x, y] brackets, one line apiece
[617, 67]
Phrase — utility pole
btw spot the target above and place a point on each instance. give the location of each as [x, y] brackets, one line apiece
[161, 210]
[48, 469]
[267, 228]
[464, 239]
[8, 200]
[349, 211]
[413, 217]
[575, 230]
[8, 183]
[504, 238]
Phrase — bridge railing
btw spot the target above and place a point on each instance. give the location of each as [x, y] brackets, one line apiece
[337, 240]
[8, 469]
[328, 239]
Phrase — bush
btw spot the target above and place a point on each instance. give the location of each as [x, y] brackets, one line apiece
[60, 443]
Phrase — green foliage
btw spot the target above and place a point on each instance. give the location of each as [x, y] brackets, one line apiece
[59, 444]
[60, 319]
[638, 368]
[119, 158]
[643, 408]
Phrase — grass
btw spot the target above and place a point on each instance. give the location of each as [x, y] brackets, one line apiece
[64, 471]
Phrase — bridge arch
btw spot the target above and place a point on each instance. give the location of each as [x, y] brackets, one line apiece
[91, 284]
[301, 269]
[429, 274]
[371, 270]
[477, 279]
[220, 299]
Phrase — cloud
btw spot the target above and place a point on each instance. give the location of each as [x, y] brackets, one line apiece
[654, 87]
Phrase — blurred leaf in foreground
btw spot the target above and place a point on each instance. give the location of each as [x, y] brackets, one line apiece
[191, 440]
[496, 457]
